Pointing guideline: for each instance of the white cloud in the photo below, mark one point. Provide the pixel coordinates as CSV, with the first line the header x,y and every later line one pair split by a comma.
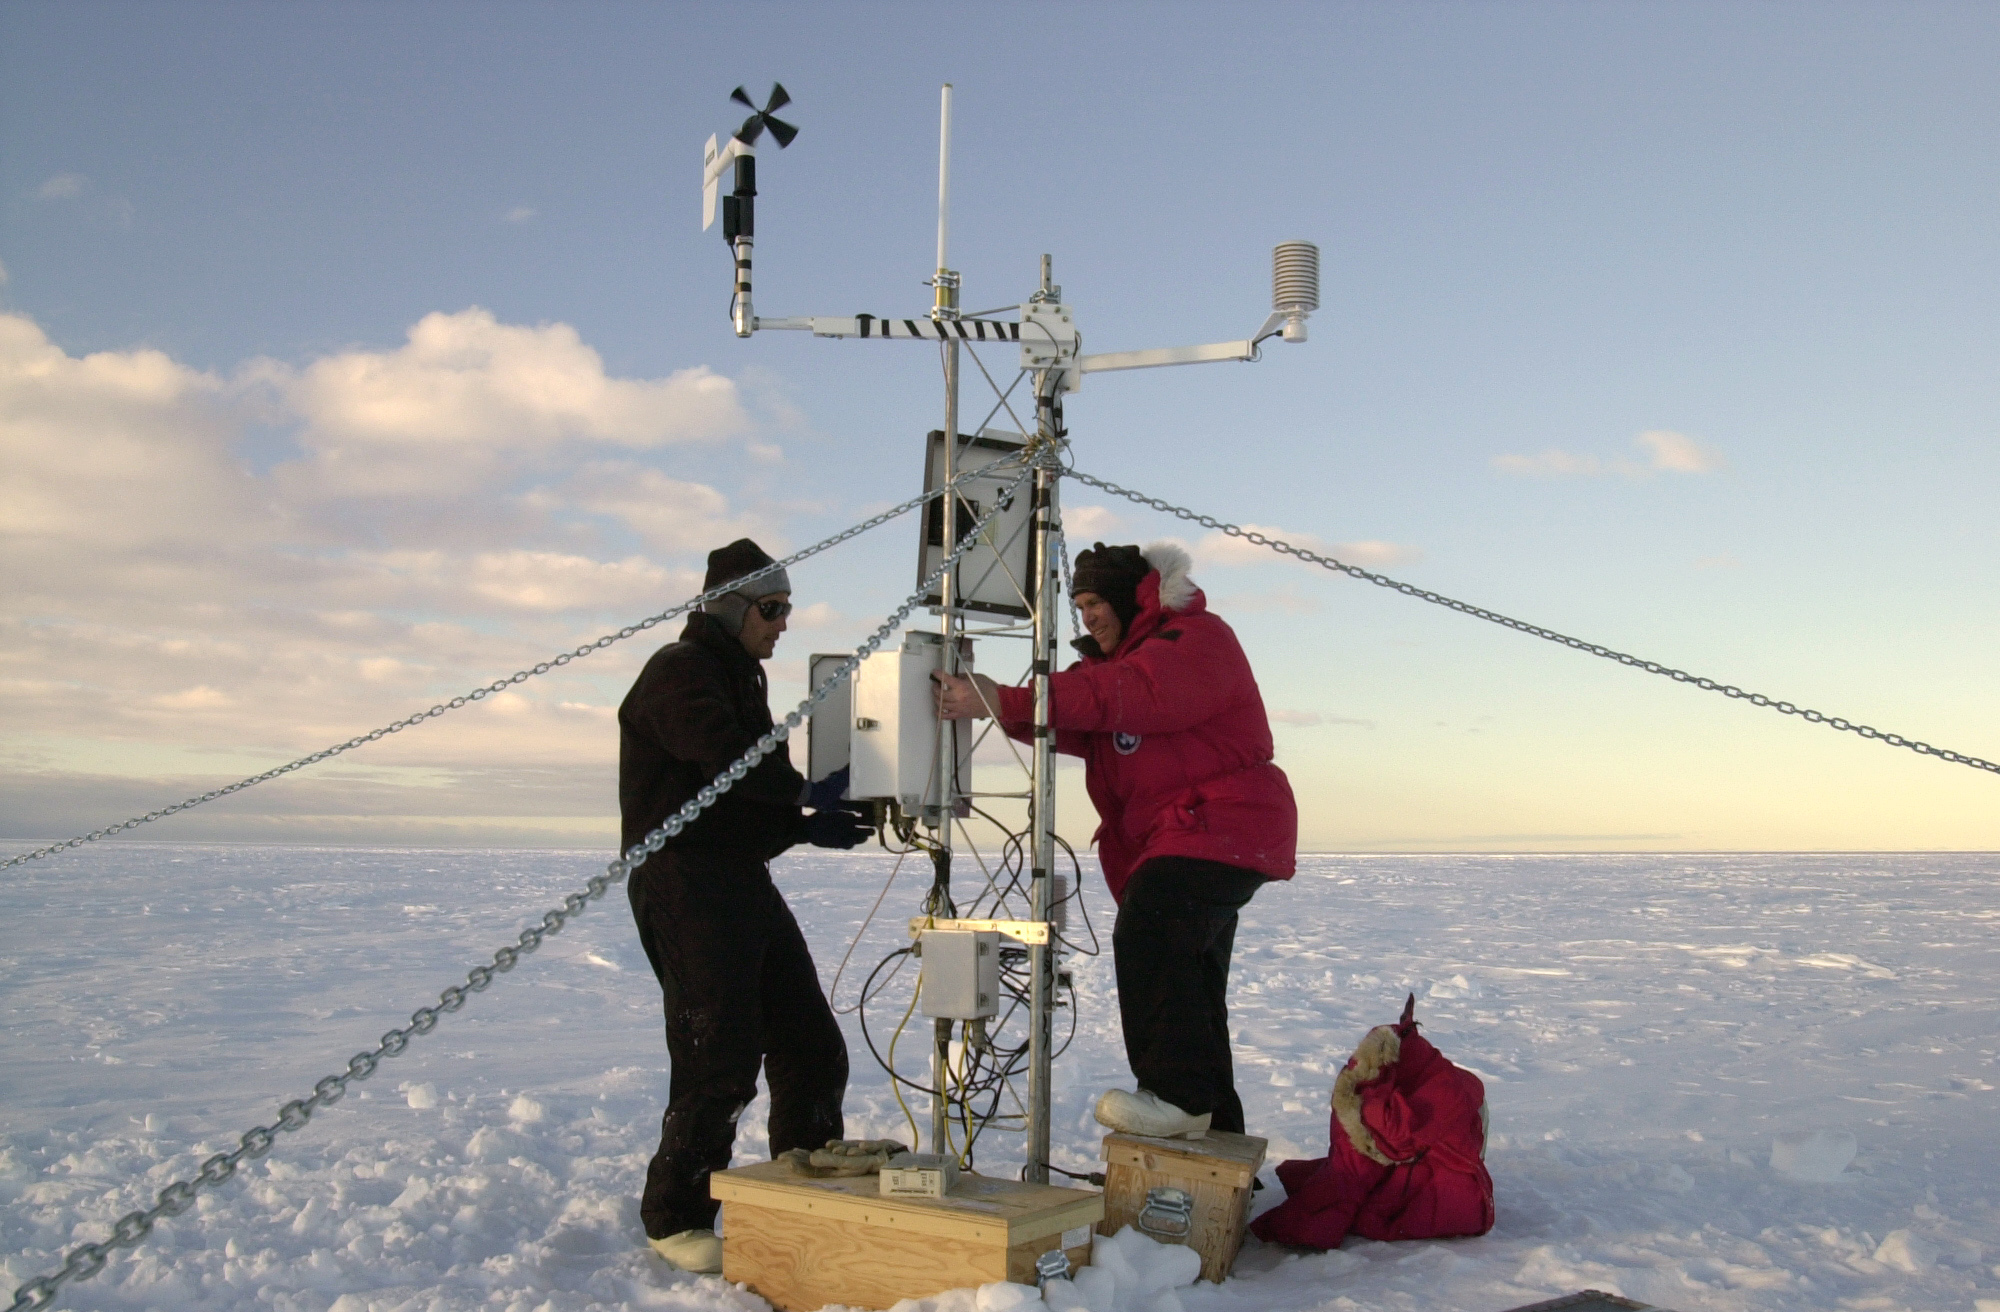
x,y
1223,549
1678,453
470,395
668,513
63,186
1665,451
170,610
520,214
1086,524
1313,719
1286,601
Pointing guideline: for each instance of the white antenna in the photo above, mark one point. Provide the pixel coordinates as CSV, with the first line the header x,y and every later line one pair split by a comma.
x,y
944,181
1051,352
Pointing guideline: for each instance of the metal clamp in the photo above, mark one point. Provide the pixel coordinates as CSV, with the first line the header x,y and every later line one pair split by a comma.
x,y
1052,1265
1168,1214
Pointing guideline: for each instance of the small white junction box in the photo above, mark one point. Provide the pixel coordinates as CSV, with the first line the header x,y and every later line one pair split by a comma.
x,y
919,1175
961,975
893,730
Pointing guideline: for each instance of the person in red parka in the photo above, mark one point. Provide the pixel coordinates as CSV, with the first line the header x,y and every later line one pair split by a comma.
x,y
1194,816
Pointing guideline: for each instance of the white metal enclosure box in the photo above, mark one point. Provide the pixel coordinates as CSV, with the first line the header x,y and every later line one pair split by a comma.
x,y
961,973
887,729
832,720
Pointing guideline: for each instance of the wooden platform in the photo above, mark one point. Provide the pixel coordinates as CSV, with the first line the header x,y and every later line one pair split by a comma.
x,y
805,1243
1218,1170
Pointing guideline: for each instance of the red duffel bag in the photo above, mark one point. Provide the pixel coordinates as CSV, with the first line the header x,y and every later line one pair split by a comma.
x,y
1408,1137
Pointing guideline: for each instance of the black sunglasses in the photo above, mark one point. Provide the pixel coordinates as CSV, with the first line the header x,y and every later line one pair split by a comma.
x,y
772,609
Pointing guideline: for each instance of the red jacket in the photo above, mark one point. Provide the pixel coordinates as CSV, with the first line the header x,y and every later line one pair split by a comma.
x,y
1172,730
1408,1136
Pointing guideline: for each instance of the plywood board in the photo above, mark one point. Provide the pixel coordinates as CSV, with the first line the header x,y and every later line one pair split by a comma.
x,y
981,1208
1218,1156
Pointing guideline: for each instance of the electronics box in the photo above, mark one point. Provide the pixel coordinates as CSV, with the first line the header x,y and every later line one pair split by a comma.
x,y
831,725
919,1175
961,973
893,725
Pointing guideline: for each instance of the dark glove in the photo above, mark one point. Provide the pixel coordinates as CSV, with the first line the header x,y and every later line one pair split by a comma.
x,y
827,791
837,827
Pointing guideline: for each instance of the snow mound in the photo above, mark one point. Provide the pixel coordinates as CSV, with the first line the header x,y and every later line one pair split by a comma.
x,y
1128,1273
1907,1253
1816,1155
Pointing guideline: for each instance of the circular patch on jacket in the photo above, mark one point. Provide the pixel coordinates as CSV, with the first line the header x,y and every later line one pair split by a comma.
x,y
1126,743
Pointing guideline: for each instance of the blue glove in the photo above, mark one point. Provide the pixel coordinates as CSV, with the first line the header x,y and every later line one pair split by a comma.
x,y
827,791
837,827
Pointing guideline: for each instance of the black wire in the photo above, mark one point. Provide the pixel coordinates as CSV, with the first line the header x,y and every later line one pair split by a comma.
x,y
861,1009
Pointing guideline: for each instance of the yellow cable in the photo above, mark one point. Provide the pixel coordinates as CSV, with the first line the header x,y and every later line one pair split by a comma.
x,y
896,1085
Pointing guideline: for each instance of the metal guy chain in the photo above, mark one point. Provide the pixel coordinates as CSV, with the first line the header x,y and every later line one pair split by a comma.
x,y
498,685
86,1260
1069,587
1535,630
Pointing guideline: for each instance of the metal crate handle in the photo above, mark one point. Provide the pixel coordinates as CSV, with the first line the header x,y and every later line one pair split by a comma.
x,y
1168,1214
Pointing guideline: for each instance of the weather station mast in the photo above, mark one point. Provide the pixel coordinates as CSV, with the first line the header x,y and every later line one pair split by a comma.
x,y
912,765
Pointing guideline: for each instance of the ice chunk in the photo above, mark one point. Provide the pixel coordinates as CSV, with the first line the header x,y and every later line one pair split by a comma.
x,y
422,1097
1063,1296
1005,1296
1144,1267
1096,1285
1906,1252
525,1110
1108,1256
1816,1155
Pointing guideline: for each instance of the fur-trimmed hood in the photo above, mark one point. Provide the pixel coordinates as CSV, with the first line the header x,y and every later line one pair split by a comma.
x,y
1377,1053
1172,561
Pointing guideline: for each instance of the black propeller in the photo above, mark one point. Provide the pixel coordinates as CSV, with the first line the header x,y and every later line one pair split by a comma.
x,y
753,127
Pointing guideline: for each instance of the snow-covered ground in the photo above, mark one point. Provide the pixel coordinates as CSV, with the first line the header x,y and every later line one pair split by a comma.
x,y
1647,1027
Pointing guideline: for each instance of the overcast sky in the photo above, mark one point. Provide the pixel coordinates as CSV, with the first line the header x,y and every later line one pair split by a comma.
x,y
355,354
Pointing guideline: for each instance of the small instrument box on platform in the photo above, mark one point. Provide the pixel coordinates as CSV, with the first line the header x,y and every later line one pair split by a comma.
x,y
802,1243
919,1175
1184,1191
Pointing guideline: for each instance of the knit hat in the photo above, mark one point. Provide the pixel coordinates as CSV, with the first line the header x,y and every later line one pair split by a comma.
x,y
732,562
1113,573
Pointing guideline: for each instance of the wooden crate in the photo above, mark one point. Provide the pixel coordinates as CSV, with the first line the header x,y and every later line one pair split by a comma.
x,y
803,1243
1217,1170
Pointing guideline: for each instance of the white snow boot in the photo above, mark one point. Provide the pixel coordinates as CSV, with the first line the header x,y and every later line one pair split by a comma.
x,y
1148,1114
698,1251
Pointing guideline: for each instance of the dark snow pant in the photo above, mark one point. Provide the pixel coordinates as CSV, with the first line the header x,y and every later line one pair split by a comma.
x,y
1175,930
741,991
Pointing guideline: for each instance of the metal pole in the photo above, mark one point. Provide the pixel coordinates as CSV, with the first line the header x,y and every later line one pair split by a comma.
x,y
945,790
1042,808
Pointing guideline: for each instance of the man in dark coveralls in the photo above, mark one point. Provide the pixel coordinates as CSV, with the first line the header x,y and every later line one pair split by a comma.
x,y
741,988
